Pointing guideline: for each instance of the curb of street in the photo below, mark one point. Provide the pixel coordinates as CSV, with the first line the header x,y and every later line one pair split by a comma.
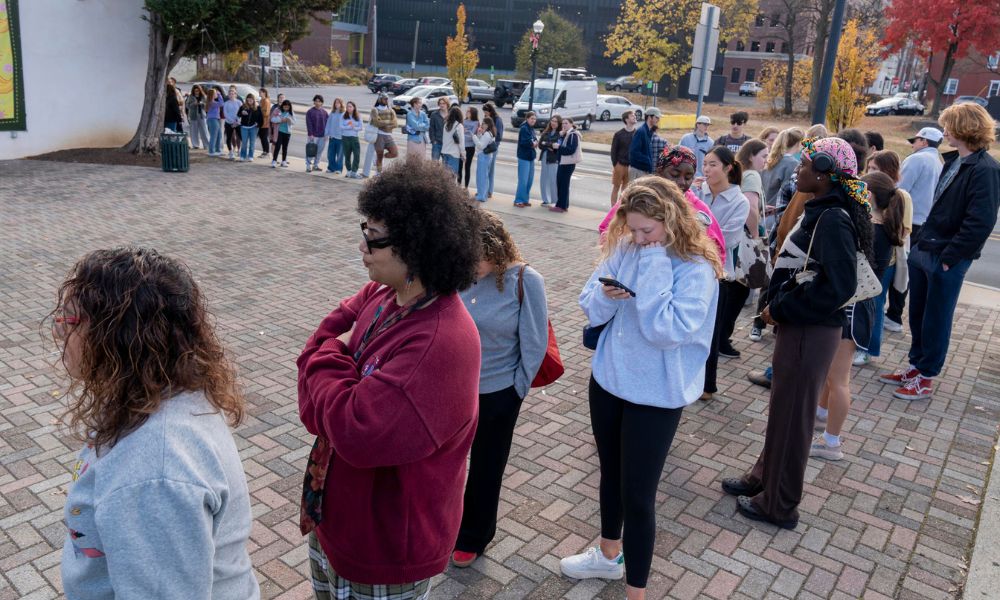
x,y
983,579
979,295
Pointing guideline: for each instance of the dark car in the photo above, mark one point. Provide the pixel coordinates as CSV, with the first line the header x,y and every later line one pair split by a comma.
x,y
382,82
508,91
626,83
402,86
895,106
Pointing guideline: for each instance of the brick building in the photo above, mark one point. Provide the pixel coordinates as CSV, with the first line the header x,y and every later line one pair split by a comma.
x,y
974,75
767,40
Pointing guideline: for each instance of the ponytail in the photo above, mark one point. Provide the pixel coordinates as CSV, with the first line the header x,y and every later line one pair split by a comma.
x,y
890,202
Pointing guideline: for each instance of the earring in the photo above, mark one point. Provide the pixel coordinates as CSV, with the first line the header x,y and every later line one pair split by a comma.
x,y
818,177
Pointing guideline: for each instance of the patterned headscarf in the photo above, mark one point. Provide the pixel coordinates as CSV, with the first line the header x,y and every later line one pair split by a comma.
x,y
675,156
845,166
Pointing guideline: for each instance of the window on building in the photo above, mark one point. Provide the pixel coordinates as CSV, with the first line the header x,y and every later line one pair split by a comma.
x,y
784,47
759,22
754,46
769,47
951,88
735,77
776,20
740,46
994,88
751,74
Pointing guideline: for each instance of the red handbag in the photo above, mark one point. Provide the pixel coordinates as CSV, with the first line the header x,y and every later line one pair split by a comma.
x,y
552,365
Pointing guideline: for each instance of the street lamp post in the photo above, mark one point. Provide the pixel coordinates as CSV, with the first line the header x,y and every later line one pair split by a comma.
x,y
536,33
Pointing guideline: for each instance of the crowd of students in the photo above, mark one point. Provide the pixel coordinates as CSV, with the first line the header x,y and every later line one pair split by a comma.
x,y
427,365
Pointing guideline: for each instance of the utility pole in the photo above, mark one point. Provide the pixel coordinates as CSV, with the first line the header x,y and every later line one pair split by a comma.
x,y
413,62
374,37
829,62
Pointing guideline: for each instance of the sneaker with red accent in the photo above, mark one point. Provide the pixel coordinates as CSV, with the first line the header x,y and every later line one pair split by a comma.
x,y
900,376
463,559
918,388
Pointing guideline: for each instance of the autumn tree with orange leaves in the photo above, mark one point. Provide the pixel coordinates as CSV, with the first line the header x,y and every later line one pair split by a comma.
x,y
460,60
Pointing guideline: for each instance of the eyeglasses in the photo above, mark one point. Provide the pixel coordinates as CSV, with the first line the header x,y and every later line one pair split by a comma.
x,y
62,323
375,244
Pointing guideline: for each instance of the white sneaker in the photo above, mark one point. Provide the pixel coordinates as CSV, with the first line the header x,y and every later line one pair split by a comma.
x,y
819,449
755,334
890,325
232,156
592,564
284,163
274,164
860,358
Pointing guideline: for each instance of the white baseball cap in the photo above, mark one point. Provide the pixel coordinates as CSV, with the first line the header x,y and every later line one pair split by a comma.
x,y
704,119
931,134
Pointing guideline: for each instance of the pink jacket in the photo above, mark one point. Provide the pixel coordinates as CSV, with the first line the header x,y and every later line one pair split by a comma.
x,y
714,231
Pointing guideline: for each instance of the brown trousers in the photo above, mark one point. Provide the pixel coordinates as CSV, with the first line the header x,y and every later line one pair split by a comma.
x,y
619,179
802,357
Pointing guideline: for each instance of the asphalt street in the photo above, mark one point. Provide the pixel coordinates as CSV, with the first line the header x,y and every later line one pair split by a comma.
x,y
591,184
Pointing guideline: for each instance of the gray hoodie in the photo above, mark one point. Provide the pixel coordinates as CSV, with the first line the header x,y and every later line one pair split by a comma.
x,y
164,513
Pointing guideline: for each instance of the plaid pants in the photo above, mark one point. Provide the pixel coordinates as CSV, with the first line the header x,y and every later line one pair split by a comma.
x,y
327,585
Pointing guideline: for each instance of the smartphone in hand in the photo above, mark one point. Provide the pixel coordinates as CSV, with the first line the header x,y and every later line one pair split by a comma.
x,y
616,283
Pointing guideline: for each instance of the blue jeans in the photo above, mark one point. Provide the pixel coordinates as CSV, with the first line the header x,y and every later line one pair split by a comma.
x,y
452,162
249,135
335,156
435,152
483,162
875,343
933,297
215,136
525,177
493,170
172,126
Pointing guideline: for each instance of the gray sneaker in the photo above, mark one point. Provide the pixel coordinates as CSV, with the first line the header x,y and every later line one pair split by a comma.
x,y
819,449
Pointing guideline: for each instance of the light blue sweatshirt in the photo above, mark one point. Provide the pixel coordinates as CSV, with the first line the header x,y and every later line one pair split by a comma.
x,y
164,513
333,125
419,123
654,349
229,111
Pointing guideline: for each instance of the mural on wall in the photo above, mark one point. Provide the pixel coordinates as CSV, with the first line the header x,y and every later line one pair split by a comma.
x,y
11,80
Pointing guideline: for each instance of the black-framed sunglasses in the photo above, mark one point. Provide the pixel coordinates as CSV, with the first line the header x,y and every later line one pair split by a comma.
x,y
376,243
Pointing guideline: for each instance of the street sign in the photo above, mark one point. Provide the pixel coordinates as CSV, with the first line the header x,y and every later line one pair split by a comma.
x,y
698,58
277,60
706,46
264,51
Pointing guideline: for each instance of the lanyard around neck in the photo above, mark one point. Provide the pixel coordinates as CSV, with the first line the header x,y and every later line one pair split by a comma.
x,y
371,332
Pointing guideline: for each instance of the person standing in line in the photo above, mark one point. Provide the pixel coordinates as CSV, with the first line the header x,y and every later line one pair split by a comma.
x,y
768,135
389,386
283,124
549,157
470,124
182,123
275,112
417,124
507,303
230,112
569,150
250,120
620,144
171,111
334,133
752,157
384,119
721,192
782,161
435,128
875,141
265,129
640,151
648,364
699,141
316,118
961,219
919,177
195,105
736,136
526,145
811,318
214,117
351,126
452,140
484,139
491,111
158,504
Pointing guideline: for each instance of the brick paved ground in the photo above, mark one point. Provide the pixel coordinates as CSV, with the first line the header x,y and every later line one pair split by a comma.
x,y
275,251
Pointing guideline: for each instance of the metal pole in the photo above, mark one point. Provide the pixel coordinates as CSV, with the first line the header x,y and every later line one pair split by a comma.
x,y
374,36
413,63
829,62
704,57
555,84
534,64
263,81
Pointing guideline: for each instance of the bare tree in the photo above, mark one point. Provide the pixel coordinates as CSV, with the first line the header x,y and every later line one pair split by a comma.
x,y
792,21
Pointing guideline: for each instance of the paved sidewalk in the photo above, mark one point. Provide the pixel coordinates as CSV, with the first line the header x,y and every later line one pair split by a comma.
x,y
276,250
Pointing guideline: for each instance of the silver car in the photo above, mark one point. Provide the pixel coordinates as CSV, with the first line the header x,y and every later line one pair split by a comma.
x,y
479,90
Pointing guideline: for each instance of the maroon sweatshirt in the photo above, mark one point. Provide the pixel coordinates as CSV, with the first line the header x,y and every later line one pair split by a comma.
x,y
401,422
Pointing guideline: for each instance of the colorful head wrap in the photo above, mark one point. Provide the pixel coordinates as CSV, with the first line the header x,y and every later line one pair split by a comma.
x,y
673,156
845,170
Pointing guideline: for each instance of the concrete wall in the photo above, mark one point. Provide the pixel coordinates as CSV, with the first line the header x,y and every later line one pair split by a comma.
x,y
84,70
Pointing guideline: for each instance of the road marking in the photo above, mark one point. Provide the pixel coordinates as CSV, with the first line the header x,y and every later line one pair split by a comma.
x,y
983,286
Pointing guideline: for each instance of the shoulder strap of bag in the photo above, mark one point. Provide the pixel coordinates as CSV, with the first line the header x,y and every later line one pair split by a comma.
x,y
813,237
520,284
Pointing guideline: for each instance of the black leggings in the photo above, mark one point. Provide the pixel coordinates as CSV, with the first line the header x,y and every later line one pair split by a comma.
x,y
281,144
490,450
564,174
233,138
732,295
265,137
632,444
470,152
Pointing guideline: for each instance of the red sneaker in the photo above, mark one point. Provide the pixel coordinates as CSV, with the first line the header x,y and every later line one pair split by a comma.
x,y
900,376
918,388
463,559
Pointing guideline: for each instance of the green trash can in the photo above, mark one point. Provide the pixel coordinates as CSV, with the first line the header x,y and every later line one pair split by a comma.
x,y
174,152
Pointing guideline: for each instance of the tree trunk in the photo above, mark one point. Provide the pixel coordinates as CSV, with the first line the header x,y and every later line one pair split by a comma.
x,y
163,57
949,63
789,77
819,49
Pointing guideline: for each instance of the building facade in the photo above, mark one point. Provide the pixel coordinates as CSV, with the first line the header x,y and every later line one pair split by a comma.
x,y
974,75
767,40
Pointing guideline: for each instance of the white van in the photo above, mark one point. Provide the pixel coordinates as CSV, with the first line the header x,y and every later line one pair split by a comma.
x,y
568,93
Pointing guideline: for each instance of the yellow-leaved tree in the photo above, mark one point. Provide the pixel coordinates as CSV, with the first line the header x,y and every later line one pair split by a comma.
x,y
657,36
772,82
461,61
858,58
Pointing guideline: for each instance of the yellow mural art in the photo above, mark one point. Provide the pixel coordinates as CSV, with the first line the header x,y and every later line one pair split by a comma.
x,y
11,81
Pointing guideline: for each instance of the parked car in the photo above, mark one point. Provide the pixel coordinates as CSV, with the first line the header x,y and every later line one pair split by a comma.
x,y
971,99
435,81
429,93
612,107
572,93
222,89
895,106
625,82
381,82
479,90
402,86
507,91
749,88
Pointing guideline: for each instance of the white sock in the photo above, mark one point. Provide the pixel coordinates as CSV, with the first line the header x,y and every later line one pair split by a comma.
x,y
821,412
832,441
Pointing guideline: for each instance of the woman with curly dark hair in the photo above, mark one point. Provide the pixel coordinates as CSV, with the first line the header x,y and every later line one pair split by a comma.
x,y
507,302
389,384
159,505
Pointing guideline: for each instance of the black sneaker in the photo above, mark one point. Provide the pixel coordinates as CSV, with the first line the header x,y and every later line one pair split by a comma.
x,y
726,350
